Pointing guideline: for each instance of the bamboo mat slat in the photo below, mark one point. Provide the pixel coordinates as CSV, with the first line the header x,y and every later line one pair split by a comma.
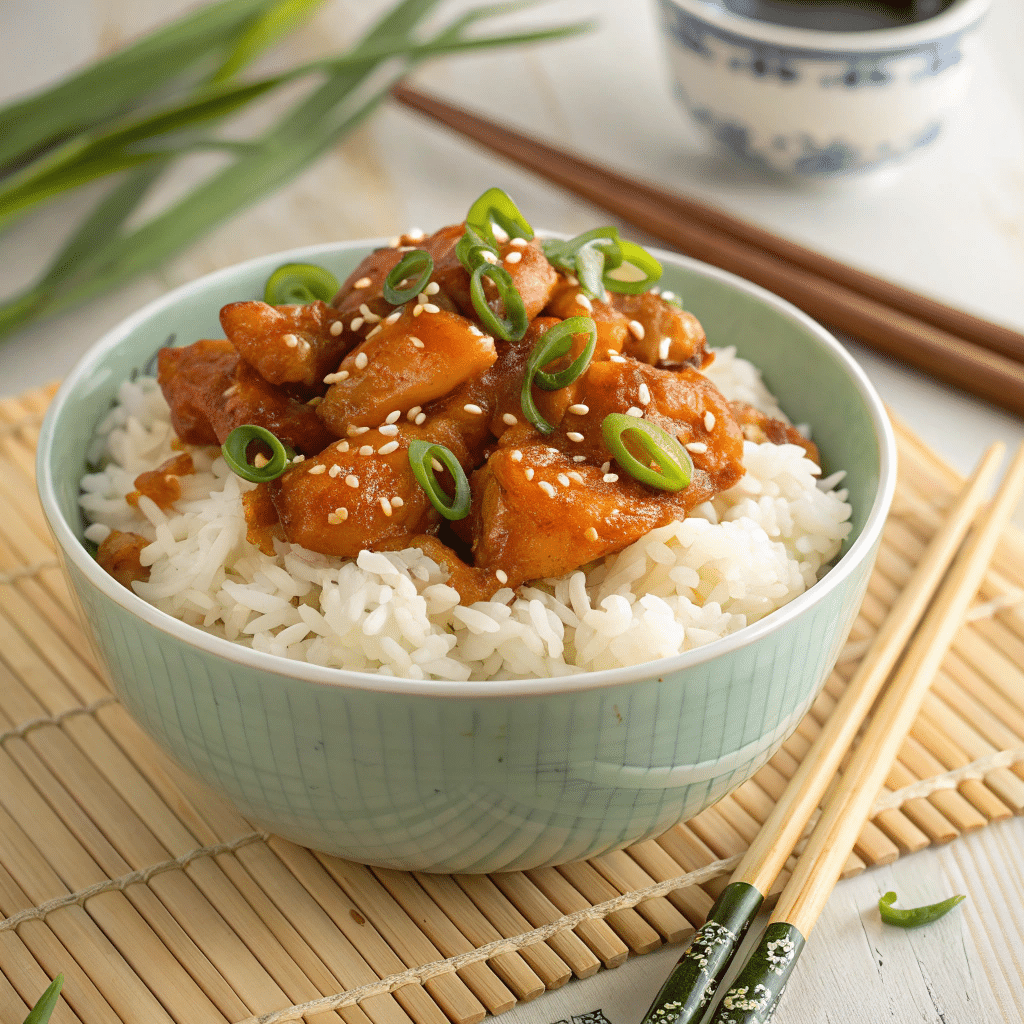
x,y
159,903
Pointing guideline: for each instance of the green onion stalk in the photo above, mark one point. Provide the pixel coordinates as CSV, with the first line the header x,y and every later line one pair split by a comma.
x,y
103,253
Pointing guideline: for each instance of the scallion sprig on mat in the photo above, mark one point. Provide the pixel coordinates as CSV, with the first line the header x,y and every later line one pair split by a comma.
x,y
41,1012
108,137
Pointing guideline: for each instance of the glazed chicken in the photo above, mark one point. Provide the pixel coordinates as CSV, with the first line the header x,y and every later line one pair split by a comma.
x,y
352,384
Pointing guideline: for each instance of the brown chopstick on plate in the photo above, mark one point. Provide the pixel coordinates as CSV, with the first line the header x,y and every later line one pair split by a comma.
x,y
972,354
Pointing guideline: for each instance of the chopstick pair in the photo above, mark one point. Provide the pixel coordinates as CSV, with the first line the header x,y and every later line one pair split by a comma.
x,y
972,354
752,996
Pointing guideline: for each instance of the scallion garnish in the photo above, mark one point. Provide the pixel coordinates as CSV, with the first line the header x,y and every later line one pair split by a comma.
x,y
298,284
497,207
635,256
675,468
421,459
914,917
596,255
513,326
554,344
236,454
418,262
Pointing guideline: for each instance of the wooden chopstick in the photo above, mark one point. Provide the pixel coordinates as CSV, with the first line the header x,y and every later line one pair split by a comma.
x,y
818,868
689,985
974,355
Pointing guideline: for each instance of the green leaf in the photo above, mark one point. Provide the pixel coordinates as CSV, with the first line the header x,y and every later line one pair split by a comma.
x,y
40,1013
109,86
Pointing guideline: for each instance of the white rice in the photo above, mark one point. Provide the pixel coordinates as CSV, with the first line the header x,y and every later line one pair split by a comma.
x,y
730,562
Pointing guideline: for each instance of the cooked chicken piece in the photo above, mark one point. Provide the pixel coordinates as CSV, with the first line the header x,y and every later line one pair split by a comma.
x,y
759,427
471,583
612,327
262,523
667,335
536,513
119,556
288,344
352,496
211,390
162,484
408,363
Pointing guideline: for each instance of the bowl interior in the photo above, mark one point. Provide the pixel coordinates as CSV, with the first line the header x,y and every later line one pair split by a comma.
x,y
814,381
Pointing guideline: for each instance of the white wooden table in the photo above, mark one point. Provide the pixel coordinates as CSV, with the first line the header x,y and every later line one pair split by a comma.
x,y
952,225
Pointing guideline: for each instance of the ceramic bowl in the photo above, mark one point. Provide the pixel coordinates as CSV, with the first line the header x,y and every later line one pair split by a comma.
x,y
812,103
478,776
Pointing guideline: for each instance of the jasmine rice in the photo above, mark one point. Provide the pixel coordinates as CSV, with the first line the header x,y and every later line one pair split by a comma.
x,y
732,561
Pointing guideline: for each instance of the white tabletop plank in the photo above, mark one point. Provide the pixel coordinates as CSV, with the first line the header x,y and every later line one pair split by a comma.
x,y
951,225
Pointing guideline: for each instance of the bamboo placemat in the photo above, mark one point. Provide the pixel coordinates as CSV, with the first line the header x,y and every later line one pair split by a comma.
x,y
159,903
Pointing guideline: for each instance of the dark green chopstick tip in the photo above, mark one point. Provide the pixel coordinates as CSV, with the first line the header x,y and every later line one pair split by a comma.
x,y
914,917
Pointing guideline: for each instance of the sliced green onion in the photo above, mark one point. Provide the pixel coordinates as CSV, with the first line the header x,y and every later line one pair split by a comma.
x,y
515,322
635,255
419,260
298,284
421,457
554,344
497,207
914,917
236,453
470,249
675,468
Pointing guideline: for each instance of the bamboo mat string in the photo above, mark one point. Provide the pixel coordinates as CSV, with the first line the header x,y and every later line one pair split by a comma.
x,y
23,423
28,570
1003,603
22,730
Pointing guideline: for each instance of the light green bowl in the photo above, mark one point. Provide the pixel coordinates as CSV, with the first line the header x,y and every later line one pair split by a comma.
x,y
478,776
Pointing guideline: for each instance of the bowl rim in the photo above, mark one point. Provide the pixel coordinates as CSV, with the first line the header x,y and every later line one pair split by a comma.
x,y
75,552
960,16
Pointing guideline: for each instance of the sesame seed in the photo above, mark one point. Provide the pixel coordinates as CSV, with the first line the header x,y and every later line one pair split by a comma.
x,y
385,506
413,412
500,233
393,318
429,307
574,435
582,300
591,533
709,420
513,257
473,329
367,449
356,431
579,458
416,343
529,474
333,378
352,480
638,329
317,469
663,346
397,501
516,456
605,467
363,282
617,359
339,515
423,298
607,297
259,462
634,411
501,576
668,296
697,447
417,309
341,446
394,416
610,478
376,330
332,519
437,465
337,327
475,410
579,409
547,488
387,429
230,391
420,419
519,243
572,279
291,341
432,289
298,458
356,323
361,360
387,449
563,479
644,394
489,256
573,475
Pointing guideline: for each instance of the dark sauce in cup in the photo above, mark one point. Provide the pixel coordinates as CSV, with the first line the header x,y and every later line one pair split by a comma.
x,y
837,15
